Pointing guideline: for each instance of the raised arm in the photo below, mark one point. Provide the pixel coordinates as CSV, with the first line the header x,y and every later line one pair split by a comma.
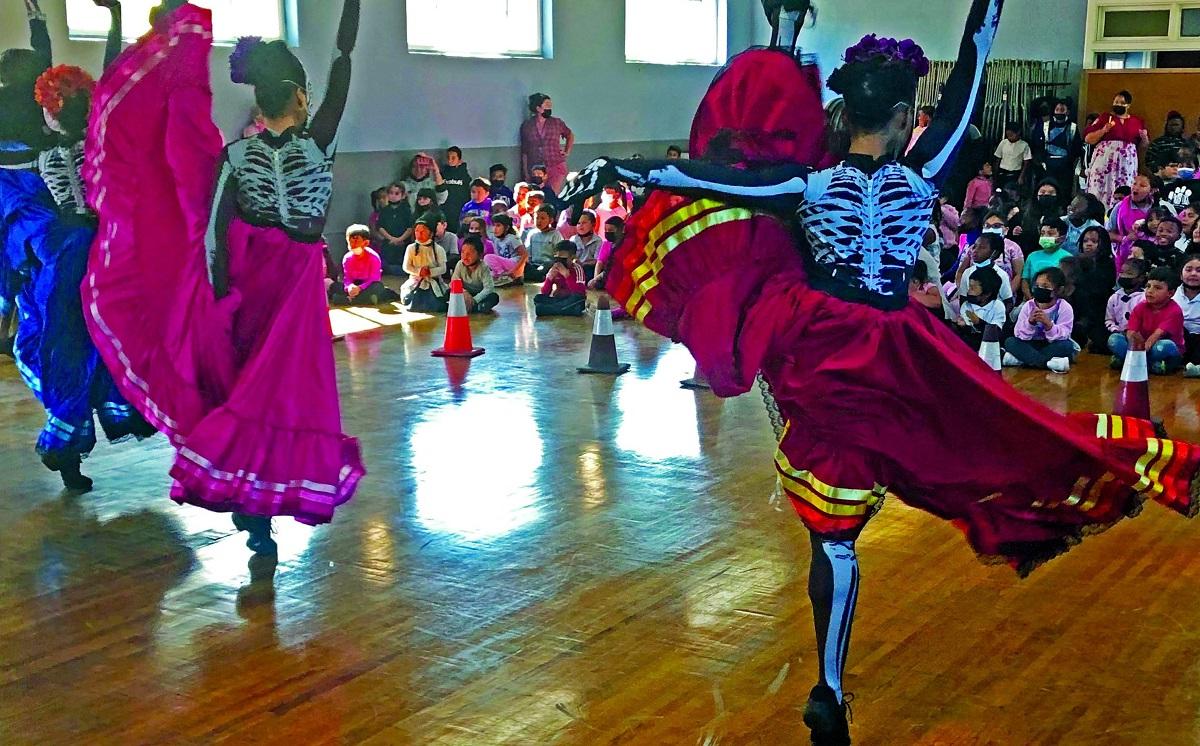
x,y
112,46
933,155
39,35
779,189
327,119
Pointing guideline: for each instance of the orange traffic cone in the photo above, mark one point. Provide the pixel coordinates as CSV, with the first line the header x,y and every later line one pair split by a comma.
x,y
603,357
698,382
989,351
458,327
1133,393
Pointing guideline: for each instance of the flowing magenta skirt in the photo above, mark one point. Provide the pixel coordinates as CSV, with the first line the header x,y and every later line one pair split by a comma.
x,y
884,403
244,386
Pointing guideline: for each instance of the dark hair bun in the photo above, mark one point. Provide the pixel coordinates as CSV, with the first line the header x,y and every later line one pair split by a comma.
x,y
872,89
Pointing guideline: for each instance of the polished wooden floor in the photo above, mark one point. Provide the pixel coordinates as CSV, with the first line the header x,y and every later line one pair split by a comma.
x,y
539,557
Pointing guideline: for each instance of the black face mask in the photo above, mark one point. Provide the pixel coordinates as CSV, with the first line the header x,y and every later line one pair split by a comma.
x,y
611,238
1047,200
1127,283
1043,295
497,182
1060,118
547,113
1087,263
975,300
1120,110
562,260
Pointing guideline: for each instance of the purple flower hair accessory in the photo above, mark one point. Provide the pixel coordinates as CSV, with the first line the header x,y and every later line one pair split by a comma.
x,y
239,60
889,51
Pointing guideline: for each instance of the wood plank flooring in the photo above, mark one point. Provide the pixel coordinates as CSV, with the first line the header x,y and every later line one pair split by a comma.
x,y
538,557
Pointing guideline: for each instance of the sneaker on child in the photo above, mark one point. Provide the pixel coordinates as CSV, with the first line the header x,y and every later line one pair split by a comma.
x,y
1059,364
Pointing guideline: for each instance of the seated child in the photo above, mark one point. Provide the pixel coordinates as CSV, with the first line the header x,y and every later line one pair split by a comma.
x,y
394,228
1050,252
477,227
478,289
587,242
507,262
498,174
445,238
480,205
986,255
614,233
564,293
1188,298
924,291
362,270
981,307
425,264
533,201
540,243
378,202
1157,324
1043,331
1129,294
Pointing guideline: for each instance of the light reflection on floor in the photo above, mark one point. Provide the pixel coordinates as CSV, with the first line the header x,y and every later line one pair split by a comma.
x,y
658,418
490,440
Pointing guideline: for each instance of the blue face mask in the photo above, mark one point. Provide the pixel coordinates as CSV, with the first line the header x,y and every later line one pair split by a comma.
x,y
1187,174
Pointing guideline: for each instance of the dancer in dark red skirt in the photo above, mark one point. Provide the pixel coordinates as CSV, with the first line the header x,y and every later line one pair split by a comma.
x,y
763,260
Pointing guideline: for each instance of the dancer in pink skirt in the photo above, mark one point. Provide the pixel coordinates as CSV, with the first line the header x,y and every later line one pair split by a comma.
x,y
206,301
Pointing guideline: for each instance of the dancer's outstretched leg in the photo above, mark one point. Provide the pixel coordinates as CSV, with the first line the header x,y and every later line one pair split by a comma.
x,y
833,590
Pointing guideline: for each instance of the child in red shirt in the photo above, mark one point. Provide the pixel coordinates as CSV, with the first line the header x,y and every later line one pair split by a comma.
x,y
564,293
1157,323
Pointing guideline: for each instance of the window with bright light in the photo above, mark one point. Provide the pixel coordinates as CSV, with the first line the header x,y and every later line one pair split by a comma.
x,y
479,28
231,18
676,32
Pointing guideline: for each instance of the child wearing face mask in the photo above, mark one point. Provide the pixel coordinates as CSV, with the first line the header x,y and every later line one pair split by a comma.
x,y
1187,296
984,259
564,293
981,307
394,225
1129,294
508,257
1011,261
498,174
479,290
1157,324
426,201
614,232
1042,337
612,203
1048,255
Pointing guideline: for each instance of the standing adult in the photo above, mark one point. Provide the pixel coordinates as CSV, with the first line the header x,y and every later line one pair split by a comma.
x,y
1116,135
1165,149
1057,149
546,141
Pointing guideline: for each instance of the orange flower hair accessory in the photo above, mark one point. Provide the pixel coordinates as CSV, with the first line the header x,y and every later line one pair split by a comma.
x,y
60,83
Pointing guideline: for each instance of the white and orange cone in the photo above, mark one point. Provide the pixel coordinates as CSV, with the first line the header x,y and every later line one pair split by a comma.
x,y
458,327
1133,393
603,356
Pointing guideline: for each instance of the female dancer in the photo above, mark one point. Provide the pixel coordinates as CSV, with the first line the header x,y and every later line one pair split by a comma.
x,y
852,363
50,232
230,357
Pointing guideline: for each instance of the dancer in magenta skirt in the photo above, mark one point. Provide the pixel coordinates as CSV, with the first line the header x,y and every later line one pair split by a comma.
x,y
207,301
763,262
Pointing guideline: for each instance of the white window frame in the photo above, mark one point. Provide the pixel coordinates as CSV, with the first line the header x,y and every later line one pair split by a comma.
x,y
546,44
721,30
136,23
1095,41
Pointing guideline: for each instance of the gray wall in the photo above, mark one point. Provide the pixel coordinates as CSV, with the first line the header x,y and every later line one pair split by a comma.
x,y
401,102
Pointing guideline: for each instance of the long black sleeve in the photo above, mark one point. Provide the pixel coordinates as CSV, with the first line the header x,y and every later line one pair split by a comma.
x,y
39,39
112,46
933,155
216,240
325,122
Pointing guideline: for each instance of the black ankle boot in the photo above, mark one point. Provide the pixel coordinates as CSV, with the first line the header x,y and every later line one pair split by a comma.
x,y
259,528
68,470
825,716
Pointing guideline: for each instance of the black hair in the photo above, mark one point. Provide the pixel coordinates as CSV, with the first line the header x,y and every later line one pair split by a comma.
x,y
1165,275
536,100
590,215
921,272
1054,275
539,167
481,183
505,220
1055,223
994,214
927,110
989,283
454,149
1139,265
615,221
1175,220
475,242
498,167
358,231
1105,240
276,75
20,68
1122,191
1126,95
1050,182
994,243
568,246
547,209
674,149
397,184
872,89
1094,209
1012,127
376,194
73,117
